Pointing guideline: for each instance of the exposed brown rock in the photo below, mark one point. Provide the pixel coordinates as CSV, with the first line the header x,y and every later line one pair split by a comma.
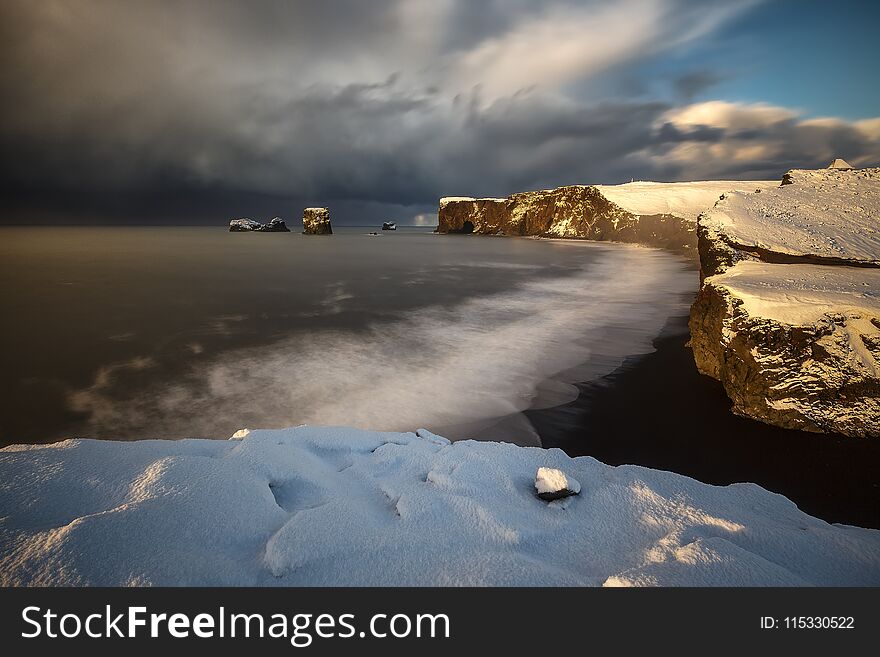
x,y
316,221
576,211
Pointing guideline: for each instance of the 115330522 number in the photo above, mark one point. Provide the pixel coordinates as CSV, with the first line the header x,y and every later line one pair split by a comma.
x,y
818,623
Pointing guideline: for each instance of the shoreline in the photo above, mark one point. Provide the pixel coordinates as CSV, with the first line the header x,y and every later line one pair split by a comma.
x,y
656,410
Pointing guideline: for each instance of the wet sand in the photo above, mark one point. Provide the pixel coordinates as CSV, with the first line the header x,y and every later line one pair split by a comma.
x,y
657,411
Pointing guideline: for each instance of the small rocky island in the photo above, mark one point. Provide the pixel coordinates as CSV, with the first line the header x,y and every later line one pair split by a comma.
x,y
275,225
316,221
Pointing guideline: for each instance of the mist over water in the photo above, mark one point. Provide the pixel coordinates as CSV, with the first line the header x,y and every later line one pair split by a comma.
x,y
197,332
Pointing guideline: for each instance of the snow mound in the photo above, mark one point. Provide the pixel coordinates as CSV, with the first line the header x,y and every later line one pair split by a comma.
x,y
335,506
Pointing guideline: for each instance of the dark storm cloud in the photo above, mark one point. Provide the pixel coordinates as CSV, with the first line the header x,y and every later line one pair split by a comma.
x,y
693,83
192,111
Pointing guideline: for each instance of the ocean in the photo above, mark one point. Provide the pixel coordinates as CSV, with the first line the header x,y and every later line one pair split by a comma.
x,y
131,333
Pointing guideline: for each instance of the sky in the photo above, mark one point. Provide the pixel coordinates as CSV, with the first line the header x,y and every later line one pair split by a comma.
x,y
159,112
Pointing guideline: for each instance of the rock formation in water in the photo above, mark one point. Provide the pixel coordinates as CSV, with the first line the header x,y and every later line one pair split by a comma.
x,y
243,225
316,221
654,214
788,315
276,225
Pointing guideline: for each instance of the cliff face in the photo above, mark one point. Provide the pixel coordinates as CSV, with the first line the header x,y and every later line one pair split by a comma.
x,y
788,315
581,212
654,214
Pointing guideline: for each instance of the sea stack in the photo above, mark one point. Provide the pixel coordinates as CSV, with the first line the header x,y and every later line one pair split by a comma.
x,y
316,221
276,225
244,225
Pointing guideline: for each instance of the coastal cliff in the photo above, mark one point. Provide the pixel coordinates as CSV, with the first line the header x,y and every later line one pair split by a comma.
x,y
653,214
788,314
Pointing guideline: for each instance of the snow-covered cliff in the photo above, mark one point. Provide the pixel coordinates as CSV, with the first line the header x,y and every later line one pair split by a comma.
x,y
333,506
788,316
795,343
655,214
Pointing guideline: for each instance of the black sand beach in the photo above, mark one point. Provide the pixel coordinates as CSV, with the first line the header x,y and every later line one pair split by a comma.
x,y
657,411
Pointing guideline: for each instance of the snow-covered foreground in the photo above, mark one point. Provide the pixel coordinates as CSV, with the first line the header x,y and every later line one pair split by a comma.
x,y
333,506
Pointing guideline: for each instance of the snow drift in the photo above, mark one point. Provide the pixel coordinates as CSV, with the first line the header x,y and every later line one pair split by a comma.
x,y
334,506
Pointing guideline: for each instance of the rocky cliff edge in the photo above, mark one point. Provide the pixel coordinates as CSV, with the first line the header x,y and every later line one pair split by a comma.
x,y
788,314
653,214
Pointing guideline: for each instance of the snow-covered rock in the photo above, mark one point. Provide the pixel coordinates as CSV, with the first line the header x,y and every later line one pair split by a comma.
x,y
656,214
334,506
244,225
788,317
553,484
797,346
276,225
316,221
838,163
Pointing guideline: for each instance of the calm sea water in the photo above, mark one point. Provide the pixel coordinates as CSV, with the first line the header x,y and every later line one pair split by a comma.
x,y
130,333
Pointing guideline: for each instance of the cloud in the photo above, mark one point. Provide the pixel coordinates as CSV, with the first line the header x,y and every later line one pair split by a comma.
x,y
203,110
693,83
757,140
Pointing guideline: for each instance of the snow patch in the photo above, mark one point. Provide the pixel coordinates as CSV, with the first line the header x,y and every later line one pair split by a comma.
x,y
682,199
825,213
800,294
